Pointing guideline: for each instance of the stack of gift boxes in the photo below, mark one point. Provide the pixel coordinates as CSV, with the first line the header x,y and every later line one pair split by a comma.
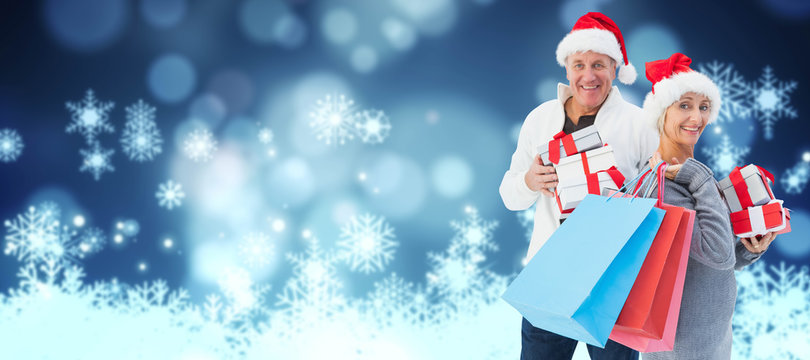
x,y
754,209
584,165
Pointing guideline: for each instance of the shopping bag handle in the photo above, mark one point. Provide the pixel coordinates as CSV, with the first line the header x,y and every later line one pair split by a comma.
x,y
661,171
631,184
649,182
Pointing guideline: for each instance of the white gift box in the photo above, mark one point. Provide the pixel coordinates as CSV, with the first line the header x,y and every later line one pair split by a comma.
x,y
575,190
573,167
757,188
584,139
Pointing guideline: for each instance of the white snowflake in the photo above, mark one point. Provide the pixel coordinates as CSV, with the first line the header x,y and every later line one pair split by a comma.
x,y
367,243
35,236
30,235
390,301
373,126
170,195
770,100
238,287
91,241
96,160
256,249
423,310
89,116
200,145
50,209
457,274
313,294
473,235
724,157
333,120
141,139
771,317
265,135
733,90
11,145
795,179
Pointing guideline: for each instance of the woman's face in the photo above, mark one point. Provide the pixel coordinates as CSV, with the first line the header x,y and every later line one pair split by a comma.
x,y
687,118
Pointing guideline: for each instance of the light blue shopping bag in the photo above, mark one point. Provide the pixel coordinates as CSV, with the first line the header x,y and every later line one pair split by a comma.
x,y
578,281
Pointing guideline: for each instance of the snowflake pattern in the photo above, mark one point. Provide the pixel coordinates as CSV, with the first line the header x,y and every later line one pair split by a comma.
x,y
334,119
91,241
390,301
733,89
770,101
771,317
457,274
367,243
313,294
96,160
373,126
256,249
795,179
725,156
11,145
170,195
36,237
89,117
237,286
50,210
31,235
141,139
200,145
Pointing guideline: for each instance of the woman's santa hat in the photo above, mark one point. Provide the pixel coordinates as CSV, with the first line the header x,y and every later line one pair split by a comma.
x,y
671,79
598,33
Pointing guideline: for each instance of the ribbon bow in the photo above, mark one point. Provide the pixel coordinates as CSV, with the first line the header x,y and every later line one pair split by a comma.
x,y
593,179
554,146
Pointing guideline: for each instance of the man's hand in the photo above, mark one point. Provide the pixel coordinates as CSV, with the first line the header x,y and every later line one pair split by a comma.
x,y
541,178
758,246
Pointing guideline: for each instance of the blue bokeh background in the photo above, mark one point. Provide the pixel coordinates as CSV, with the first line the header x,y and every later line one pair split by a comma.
x,y
455,77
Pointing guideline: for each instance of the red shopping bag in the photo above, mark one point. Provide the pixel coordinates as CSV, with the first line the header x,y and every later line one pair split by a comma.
x,y
650,315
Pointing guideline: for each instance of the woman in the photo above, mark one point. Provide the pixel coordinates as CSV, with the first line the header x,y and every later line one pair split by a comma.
x,y
683,102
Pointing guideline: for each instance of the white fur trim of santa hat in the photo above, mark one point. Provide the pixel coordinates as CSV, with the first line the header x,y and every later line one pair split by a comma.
x,y
670,90
599,41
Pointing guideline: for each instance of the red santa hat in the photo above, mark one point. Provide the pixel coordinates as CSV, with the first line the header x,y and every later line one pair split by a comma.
x,y
598,33
671,79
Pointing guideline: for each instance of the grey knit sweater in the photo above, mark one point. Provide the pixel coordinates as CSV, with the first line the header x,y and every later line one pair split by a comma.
x,y
710,289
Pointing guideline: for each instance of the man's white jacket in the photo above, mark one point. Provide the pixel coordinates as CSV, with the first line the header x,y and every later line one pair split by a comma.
x,y
620,124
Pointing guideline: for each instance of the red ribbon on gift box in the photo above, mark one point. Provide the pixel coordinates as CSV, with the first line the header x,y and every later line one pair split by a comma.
x,y
741,188
787,223
593,179
554,146
559,204
771,213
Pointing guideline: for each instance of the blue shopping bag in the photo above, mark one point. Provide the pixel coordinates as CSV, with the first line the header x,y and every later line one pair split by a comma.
x,y
578,281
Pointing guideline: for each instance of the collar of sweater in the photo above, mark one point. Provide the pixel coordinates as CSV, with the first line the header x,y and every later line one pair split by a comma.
x,y
613,100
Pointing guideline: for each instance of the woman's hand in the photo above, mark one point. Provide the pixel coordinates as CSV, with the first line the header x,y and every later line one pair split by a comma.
x,y
758,246
672,167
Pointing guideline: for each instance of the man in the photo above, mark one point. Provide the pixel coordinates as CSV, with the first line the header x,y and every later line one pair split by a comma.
x,y
590,55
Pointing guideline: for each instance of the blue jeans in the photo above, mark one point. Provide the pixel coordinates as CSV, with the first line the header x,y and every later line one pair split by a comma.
x,y
541,344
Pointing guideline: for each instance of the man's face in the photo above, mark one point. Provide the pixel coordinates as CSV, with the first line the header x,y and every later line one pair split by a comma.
x,y
590,76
